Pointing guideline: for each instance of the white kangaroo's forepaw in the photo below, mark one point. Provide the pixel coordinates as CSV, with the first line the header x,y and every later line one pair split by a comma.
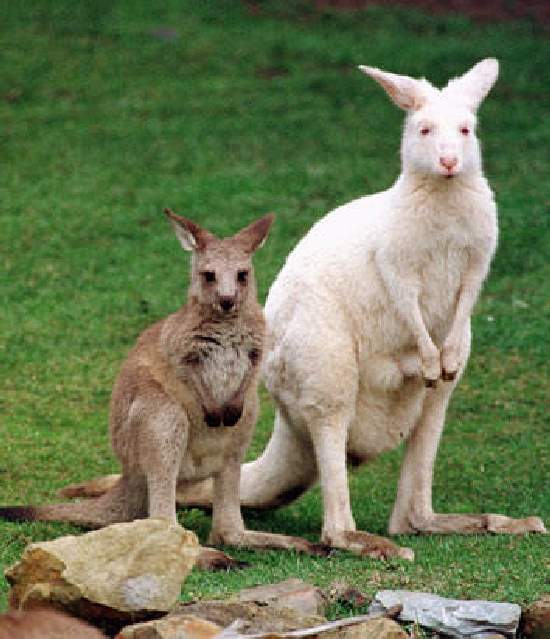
x,y
431,370
450,363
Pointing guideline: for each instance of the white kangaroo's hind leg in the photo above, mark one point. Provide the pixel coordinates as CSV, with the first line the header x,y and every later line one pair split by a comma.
x,y
412,512
339,530
227,522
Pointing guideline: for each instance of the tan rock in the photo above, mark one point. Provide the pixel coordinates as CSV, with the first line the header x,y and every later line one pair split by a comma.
x,y
122,573
172,627
361,627
255,618
295,594
372,629
536,619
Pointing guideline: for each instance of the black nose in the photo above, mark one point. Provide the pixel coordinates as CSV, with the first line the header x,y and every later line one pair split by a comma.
x,y
227,303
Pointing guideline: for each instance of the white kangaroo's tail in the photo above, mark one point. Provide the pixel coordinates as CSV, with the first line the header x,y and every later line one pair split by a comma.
x,y
284,471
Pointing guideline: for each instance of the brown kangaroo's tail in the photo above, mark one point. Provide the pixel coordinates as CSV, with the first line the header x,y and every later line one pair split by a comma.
x,y
93,488
125,501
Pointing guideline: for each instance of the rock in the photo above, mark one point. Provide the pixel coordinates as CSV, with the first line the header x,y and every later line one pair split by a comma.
x,y
255,618
382,628
172,627
452,617
250,619
362,627
45,624
295,594
114,576
536,619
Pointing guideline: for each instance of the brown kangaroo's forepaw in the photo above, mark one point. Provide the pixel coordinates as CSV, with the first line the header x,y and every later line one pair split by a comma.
x,y
231,414
213,418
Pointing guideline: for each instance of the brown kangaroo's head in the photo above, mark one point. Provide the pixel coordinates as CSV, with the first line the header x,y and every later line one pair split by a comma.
x,y
222,276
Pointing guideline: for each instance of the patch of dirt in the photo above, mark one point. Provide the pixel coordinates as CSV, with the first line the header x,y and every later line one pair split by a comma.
x,y
534,10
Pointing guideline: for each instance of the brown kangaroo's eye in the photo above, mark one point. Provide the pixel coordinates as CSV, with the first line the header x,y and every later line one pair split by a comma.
x,y
209,276
242,276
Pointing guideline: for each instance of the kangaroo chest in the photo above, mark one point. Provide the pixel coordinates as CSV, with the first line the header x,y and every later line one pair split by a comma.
x,y
223,358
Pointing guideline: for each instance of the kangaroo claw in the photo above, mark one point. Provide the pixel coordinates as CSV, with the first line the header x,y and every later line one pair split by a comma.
x,y
448,376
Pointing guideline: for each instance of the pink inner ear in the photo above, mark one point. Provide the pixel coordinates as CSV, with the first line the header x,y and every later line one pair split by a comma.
x,y
254,234
407,93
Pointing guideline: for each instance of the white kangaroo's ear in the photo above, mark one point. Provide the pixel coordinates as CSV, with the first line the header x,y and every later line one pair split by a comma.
x,y
471,88
408,93
191,236
254,235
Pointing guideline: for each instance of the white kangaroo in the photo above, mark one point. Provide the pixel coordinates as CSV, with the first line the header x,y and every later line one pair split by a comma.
x,y
371,310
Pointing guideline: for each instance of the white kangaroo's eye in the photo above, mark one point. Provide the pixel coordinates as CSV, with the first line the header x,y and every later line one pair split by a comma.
x,y
425,130
465,130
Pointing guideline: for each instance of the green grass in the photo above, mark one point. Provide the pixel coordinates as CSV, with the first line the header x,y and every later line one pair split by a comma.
x,y
103,124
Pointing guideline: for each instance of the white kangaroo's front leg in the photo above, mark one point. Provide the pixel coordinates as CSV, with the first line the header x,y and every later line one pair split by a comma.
x,y
469,290
413,510
403,288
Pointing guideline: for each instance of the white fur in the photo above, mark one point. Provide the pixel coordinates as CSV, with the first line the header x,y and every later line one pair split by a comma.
x,y
378,289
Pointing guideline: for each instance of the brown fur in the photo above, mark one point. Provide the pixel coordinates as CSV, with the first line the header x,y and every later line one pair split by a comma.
x,y
45,624
185,402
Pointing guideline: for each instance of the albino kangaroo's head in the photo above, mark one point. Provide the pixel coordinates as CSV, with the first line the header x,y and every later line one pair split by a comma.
x,y
222,276
439,137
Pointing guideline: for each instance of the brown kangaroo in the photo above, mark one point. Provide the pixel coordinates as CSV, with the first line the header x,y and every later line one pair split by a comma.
x,y
185,403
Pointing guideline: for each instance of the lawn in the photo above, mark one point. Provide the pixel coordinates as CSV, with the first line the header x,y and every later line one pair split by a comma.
x,y
110,111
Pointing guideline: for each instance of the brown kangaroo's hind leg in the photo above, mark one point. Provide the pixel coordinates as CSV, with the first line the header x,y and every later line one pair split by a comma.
x,y
125,501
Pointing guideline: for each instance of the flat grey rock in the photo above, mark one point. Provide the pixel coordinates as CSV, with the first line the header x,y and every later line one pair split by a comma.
x,y
453,617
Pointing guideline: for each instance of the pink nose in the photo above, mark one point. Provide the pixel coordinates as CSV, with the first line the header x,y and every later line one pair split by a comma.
x,y
448,162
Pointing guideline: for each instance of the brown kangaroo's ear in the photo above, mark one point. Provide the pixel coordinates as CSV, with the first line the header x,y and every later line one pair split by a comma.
x,y
254,235
191,236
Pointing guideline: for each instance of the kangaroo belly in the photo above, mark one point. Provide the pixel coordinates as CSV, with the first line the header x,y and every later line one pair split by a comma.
x,y
204,455
384,419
